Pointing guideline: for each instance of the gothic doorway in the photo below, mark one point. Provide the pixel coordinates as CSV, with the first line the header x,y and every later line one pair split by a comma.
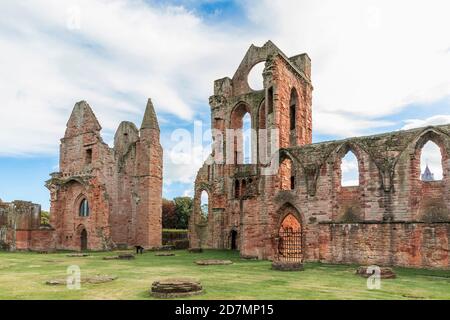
x,y
83,240
290,239
233,237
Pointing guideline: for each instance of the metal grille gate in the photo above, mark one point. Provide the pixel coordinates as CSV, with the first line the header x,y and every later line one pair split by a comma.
x,y
290,246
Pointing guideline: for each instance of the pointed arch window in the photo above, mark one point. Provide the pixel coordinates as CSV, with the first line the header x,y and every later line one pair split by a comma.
x,y
237,191
84,208
430,162
204,203
349,170
243,135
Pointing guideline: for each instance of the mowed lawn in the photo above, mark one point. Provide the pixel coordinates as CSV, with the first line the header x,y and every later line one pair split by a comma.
x,y
23,276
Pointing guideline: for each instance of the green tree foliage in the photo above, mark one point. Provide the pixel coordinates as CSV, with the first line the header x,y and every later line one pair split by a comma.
x,y
176,212
169,217
184,207
45,217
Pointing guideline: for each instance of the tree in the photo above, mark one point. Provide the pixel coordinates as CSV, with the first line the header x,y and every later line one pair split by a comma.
x,y
45,217
183,207
169,215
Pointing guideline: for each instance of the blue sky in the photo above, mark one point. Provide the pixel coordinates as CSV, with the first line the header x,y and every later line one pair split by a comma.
x,y
376,68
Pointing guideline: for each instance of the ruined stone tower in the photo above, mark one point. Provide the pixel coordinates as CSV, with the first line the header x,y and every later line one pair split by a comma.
x,y
105,197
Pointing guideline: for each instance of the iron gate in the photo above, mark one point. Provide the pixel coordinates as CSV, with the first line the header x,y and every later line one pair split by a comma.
x,y
290,246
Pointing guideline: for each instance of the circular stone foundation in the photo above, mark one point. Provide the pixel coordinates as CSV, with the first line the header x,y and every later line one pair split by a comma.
x,y
287,266
111,258
164,254
213,262
385,272
78,255
126,256
92,280
175,288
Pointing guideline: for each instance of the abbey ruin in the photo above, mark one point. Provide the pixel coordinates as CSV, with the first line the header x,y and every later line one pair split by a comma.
x,y
284,201
294,206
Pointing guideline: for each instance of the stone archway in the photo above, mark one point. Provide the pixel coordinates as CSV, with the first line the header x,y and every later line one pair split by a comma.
x,y
233,240
83,240
290,236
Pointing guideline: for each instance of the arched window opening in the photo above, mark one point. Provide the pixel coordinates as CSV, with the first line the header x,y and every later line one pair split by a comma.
x,y
204,203
287,176
241,123
237,191
84,208
83,240
293,109
233,236
430,162
290,239
247,138
270,100
243,187
349,170
88,159
255,77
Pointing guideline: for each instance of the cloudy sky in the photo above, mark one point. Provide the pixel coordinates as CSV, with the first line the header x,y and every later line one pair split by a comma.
x,y
377,66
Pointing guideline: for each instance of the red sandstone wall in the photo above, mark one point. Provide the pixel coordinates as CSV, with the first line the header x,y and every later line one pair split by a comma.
x,y
284,80
401,244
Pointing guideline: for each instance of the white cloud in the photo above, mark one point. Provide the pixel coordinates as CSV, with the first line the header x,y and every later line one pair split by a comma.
x,y
368,62
431,121
344,125
369,58
122,53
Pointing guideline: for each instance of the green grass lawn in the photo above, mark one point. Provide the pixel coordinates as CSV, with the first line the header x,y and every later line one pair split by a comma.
x,y
23,276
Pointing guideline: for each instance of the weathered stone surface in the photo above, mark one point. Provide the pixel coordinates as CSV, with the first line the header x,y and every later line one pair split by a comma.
x,y
385,272
126,256
84,280
391,218
164,254
123,185
78,255
21,228
195,250
162,248
175,288
287,266
213,262
111,258
247,257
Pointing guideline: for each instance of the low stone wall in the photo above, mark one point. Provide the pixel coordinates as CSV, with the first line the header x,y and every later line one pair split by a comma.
x,y
408,244
35,240
43,240
169,237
